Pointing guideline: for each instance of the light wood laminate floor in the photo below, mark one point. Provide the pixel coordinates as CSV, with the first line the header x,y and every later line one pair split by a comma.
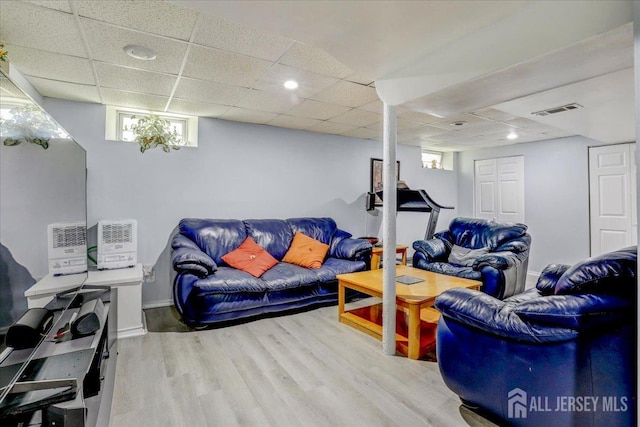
x,y
303,369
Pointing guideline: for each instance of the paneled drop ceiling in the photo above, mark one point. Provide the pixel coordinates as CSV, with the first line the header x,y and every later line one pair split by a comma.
x,y
212,67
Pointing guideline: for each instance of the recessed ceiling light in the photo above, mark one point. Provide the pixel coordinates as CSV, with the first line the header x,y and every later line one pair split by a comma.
x,y
512,135
291,84
458,123
139,52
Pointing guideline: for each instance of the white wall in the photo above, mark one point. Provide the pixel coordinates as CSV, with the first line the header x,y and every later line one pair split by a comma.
x,y
556,196
238,171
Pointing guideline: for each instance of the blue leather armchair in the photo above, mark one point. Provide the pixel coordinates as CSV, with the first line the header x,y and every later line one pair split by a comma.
x,y
562,354
494,252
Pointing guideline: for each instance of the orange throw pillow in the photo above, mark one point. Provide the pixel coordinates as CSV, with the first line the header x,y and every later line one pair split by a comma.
x,y
306,252
250,258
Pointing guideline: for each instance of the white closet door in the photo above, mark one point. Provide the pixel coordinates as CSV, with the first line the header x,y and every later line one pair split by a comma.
x,y
486,182
612,198
499,189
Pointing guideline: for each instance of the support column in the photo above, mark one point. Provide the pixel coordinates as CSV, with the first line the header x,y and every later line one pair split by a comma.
x,y
389,231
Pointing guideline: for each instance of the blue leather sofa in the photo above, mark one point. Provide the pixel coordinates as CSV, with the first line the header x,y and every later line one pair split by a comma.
x,y
562,354
501,254
207,291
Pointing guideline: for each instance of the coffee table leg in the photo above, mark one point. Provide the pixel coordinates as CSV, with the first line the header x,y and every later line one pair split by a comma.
x,y
341,292
414,331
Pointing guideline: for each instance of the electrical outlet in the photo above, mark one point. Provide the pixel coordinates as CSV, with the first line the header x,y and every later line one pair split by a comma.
x,y
149,275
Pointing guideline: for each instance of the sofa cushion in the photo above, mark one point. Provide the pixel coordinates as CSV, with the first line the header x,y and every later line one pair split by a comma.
x,y
250,257
215,237
465,256
613,273
229,280
306,251
452,270
274,235
334,266
321,229
285,275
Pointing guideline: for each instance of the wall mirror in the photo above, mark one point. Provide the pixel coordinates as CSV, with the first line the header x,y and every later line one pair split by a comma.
x,y
42,181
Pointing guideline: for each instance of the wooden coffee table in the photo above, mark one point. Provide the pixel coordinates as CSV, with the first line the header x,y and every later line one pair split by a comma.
x,y
416,319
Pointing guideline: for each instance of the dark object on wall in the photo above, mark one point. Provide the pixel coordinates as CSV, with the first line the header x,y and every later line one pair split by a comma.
x,y
28,330
88,320
375,185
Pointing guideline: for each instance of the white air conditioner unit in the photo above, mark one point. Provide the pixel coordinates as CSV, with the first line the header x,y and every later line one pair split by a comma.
x,y
117,244
67,248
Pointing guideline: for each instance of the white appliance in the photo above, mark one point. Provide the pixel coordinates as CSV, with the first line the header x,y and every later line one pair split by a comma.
x,y
67,248
117,243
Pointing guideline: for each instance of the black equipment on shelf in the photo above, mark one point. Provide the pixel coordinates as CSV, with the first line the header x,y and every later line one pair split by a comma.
x,y
415,201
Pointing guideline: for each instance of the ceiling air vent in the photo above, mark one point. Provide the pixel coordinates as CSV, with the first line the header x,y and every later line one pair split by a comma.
x,y
556,110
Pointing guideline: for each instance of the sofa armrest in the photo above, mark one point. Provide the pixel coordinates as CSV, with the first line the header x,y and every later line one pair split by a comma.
x,y
497,260
352,249
432,248
492,316
575,311
186,256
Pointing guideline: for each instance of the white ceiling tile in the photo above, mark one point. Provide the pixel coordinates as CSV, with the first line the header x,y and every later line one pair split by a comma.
x,y
224,67
470,121
292,122
375,106
329,127
53,66
317,110
348,94
308,83
417,116
106,42
134,100
357,78
316,60
420,132
61,5
63,90
265,101
31,26
117,77
364,133
210,92
245,115
493,114
357,117
151,16
193,108
220,33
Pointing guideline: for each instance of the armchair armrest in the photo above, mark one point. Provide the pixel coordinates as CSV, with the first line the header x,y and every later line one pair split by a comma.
x,y
497,260
186,256
490,315
546,283
352,249
432,248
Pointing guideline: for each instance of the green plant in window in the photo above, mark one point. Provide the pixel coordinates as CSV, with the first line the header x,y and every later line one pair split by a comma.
x,y
153,131
28,123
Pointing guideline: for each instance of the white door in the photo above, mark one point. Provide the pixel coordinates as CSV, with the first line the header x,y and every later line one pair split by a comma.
x,y
612,197
499,189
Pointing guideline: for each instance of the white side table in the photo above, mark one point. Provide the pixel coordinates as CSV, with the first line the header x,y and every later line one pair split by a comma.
x,y
127,281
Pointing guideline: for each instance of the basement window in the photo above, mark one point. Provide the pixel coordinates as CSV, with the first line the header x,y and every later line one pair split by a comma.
x,y
119,122
432,160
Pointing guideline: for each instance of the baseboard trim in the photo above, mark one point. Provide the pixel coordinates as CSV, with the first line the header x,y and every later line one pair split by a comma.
x,y
158,304
532,279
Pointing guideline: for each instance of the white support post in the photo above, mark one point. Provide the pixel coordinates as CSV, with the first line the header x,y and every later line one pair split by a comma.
x,y
389,231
